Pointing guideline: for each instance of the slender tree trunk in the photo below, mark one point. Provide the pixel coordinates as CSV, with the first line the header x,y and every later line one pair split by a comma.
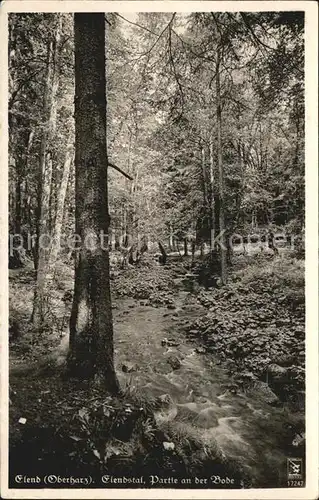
x,y
185,248
223,250
43,152
213,255
41,293
49,111
56,237
171,238
124,241
12,194
204,176
163,258
91,326
135,215
40,304
193,248
130,212
117,238
240,190
26,198
20,185
172,244
18,182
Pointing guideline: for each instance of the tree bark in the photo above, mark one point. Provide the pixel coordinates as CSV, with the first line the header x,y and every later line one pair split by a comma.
x,y
40,303
49,111
26,199
193,248
178,249
56,237
172,243
163,257
18,199
213,255
204,176
185,248
223,250
91,326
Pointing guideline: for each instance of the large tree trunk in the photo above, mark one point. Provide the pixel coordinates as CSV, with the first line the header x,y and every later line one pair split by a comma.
x,y
223,249
91,326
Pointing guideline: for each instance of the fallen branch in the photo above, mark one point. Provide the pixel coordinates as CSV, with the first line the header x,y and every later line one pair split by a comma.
x,y
120,170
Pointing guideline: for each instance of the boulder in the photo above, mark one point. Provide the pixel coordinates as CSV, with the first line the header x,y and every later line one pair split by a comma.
x,y
128,367
263,391
200,350
165,399
174,362
207,419
249,376
193,333
169,342
285,360
277,373
171,306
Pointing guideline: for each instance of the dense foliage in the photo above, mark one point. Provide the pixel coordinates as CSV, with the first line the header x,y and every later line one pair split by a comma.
x,y
161,82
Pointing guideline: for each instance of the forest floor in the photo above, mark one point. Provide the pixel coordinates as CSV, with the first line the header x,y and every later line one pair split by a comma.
x,y
212,379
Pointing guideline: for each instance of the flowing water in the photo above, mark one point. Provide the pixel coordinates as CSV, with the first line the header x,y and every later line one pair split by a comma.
x,y
199,391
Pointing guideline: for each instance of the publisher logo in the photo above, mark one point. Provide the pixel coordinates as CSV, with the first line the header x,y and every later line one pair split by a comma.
x,y
294,468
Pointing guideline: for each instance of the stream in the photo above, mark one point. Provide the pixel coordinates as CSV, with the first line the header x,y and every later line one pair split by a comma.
x,y
198,389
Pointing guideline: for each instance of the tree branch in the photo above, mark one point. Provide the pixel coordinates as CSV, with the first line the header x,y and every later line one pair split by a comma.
x,y
250,29
136,24
107,21
120,170
172,63
22,83
158,38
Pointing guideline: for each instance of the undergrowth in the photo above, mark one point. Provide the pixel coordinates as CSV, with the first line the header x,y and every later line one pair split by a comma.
x,y
76,429
256,324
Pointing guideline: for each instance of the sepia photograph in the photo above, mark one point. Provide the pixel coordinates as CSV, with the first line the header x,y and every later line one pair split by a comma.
x,y
156,237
